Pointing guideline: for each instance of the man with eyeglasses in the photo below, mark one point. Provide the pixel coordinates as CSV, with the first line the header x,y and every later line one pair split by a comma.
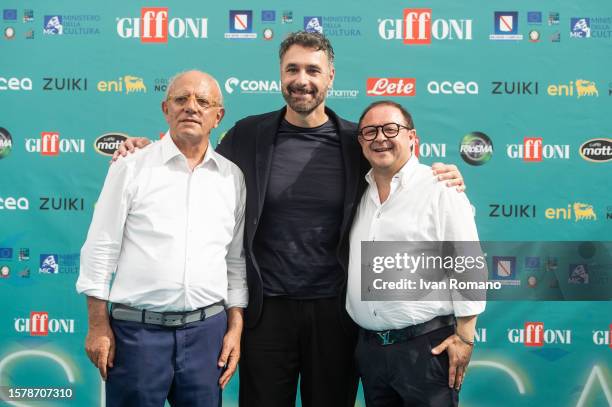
x,y
408,352
303,170
169,226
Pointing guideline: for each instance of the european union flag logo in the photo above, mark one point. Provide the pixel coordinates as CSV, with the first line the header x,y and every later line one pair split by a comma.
x,y
10,14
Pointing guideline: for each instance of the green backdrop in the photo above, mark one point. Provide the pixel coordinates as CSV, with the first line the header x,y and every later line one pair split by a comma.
x,y
548,78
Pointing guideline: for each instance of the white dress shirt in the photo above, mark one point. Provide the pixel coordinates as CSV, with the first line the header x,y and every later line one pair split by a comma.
x,y
419,208
172,237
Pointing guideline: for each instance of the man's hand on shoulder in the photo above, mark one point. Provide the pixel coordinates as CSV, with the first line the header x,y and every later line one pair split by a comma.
x,y
130,146
449,173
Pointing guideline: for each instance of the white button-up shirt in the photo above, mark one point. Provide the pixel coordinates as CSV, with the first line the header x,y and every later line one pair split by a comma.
x,y
171,237
419,208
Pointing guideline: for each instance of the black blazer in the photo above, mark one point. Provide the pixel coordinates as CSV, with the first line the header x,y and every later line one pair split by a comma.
x,y
250,144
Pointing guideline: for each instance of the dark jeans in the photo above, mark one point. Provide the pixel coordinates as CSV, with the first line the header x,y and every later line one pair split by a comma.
x,y
405,374
154,363
298,338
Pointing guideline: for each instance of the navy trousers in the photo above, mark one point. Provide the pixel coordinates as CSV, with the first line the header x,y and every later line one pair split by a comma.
x,y
154,363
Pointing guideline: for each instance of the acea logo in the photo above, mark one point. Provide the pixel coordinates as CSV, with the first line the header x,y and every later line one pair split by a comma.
x,y
417,27
15,83
452,88
39,324
82,24
476,148
6,143
50,144
534,150
391,87
534,334
252,86
108,143
578,211
124,84
155,26
597,150
11,203
583,88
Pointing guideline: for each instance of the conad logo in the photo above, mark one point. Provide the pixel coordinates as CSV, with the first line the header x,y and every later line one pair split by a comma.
x,y
597,150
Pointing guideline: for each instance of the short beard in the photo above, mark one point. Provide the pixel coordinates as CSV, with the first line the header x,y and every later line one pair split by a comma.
x,y
304,108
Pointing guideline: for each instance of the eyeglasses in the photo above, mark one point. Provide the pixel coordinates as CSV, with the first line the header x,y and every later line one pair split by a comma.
x,y
389,130
182,100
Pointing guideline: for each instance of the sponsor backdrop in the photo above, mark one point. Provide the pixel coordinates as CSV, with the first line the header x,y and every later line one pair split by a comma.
x,y
517,95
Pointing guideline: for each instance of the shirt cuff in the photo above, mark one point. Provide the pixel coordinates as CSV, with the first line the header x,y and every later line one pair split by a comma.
x,y
238,297
468,308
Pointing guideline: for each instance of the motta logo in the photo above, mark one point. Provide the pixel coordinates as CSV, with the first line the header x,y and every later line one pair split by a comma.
x,y
597,150
418,28
128,84
108,143
603,338
50,144
155,26
39,324
578,211
391,87
534,335
582,88
534,150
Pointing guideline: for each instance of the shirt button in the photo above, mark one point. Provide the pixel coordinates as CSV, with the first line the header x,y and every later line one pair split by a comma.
x,y
374,312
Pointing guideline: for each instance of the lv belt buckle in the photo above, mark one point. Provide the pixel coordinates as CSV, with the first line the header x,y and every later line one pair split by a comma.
x,y
173,319
385,338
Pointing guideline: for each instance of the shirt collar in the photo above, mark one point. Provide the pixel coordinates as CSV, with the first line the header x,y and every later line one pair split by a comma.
x,y
170,151
402,176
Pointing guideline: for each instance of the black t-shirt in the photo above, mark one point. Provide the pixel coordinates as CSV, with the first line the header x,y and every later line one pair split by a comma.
x,y
296,240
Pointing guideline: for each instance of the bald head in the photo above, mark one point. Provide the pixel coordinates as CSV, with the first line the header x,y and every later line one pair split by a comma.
x,y
197,77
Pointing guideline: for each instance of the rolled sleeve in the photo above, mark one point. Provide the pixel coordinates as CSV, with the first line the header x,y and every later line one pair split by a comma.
x,y
100,252
237,290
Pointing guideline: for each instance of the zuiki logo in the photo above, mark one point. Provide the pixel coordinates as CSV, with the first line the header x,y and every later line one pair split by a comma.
x,y
476,148
39,324
155,26
108,143
596,150
50,144
6,143
15,83
512,210
578,211
65,84
450,88
603,337
514,88
533,150
252,85
125,84
583,88
48,203
534,334
417,27
391,87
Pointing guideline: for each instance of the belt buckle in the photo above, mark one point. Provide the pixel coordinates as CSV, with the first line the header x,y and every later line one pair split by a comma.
x,y
173,319
384,338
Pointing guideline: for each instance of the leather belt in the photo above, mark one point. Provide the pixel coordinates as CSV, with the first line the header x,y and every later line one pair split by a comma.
x,y
392,336
169,319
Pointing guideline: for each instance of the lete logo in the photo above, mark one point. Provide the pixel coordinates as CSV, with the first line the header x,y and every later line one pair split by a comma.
x,y
391,87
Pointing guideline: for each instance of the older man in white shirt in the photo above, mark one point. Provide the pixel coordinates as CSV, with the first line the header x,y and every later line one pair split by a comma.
x,y
168,226
409,352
